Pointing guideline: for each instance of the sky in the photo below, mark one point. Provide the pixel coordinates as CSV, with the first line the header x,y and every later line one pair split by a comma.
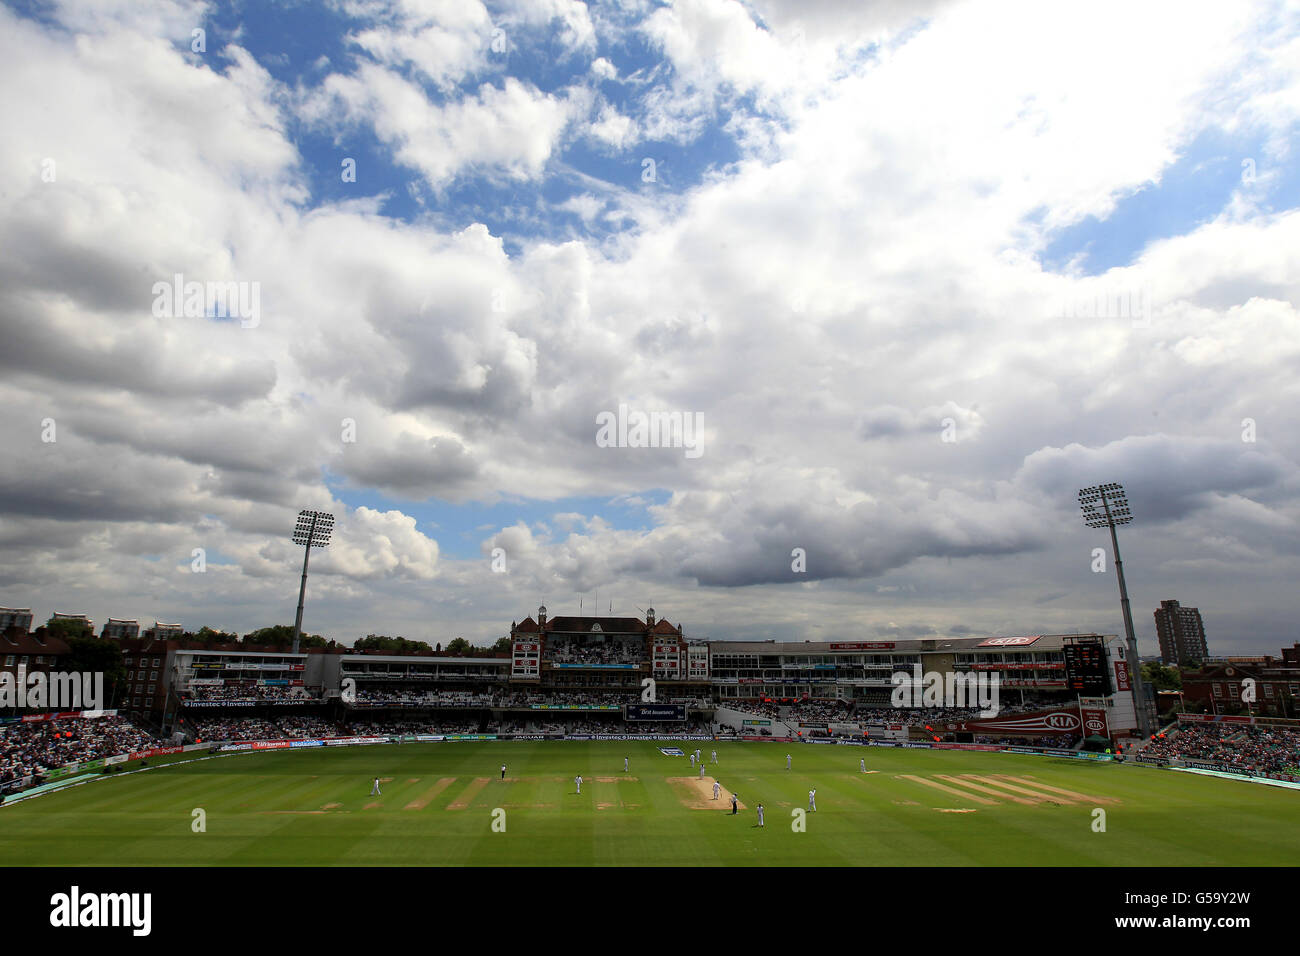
x,y
898,278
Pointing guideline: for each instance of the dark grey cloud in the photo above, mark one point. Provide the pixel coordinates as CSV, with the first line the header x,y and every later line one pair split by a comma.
x,y
412,468
1167,477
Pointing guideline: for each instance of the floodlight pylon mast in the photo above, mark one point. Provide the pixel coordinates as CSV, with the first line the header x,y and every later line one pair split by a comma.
x,y
1119,573
1115,512
313,529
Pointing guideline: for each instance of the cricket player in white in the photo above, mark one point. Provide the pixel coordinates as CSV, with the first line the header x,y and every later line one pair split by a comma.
x,y
760,815
862,764
699,755
375,791
715,756
701,771
787,761
578,781
812,799
625,765
692,756
716,787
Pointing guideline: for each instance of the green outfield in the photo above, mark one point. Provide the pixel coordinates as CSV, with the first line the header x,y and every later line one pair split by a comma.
x,y
916,807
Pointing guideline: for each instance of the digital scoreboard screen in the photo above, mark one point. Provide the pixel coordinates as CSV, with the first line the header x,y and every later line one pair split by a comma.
x,y
1085,669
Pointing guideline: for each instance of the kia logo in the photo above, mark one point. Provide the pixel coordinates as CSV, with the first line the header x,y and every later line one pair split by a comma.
x,y
1063,721
1094,724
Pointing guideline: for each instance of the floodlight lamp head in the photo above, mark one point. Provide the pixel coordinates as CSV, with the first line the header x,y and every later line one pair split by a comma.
x,y
313,529
1115,510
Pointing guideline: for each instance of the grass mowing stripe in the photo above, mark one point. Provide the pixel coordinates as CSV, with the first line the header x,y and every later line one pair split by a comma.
x,y
962,794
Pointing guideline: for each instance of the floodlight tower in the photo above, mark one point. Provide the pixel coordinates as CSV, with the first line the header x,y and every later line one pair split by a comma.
x,y
1114,511
313,530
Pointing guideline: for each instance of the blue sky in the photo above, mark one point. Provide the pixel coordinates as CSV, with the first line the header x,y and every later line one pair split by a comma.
x,y
460,528
1191,191
290,41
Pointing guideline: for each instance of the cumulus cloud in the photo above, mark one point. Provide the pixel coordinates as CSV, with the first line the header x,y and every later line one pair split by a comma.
x,y
859,262
511,129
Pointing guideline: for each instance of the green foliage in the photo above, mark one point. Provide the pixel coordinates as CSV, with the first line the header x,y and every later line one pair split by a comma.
x,y
208,635
1161,677
281,635
66,629
90,654
393,645
457,647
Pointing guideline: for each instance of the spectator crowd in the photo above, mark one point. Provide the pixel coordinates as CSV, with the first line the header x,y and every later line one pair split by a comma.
x,y
33,749
1239,749
605,652
257,692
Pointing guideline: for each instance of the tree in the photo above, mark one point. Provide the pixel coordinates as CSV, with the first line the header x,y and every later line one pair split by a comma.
x,y
396,645
459,646
502,644
67,628
280,635
210,636
90,655
1161,677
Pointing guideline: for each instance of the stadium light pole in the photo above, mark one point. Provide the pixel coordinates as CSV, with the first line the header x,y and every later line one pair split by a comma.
x,y
312,531
1114,512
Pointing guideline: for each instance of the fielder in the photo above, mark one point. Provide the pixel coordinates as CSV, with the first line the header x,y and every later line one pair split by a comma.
x,y
812,799
716,787
787,761
625,765
375,791
715,756
701,771
760,815
578,781
862,765
692,756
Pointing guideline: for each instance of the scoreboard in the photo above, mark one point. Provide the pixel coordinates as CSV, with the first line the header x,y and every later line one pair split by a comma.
x,y
1085,669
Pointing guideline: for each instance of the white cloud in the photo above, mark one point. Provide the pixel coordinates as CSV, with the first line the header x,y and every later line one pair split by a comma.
x,y
614,129
511,130
867,268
